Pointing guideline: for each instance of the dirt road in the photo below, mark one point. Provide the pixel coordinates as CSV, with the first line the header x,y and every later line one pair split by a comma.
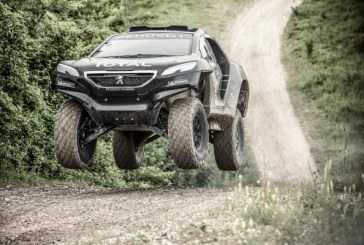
x,y
72,215
102,216
275,136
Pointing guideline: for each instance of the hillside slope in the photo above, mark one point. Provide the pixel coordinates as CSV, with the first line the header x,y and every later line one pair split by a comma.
x,y
324,53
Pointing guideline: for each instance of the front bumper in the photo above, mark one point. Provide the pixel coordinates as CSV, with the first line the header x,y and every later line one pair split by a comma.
x,y
144,113
136,106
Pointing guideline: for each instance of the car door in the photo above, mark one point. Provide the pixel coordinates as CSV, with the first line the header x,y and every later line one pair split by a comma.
x,y
207,53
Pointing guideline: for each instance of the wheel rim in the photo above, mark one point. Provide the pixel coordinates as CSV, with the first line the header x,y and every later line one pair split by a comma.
x,y
244,93
198,131
86,127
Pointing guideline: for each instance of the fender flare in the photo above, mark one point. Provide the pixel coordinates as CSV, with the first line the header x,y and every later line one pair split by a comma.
x,y
237,78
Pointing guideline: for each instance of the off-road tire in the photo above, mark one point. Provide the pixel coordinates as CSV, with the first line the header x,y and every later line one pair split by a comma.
x,y
69,152
127,154
228,154
187,148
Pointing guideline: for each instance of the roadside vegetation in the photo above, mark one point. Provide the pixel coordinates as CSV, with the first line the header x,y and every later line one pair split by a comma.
x,y
276,215
272,215
324,53
35,36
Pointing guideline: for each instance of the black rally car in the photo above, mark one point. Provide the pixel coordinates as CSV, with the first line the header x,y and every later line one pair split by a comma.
x,y
149,82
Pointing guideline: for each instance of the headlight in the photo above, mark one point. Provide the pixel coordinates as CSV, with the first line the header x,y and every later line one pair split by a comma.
x,y
67,70
64,83
179,68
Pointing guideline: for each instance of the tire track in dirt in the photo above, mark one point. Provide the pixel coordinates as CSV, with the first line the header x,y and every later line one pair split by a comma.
x,y
274,133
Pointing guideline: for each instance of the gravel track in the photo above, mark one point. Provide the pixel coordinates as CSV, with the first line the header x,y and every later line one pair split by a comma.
x,y
102,216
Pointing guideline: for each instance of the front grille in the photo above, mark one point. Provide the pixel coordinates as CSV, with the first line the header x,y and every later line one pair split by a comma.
x,y
120,80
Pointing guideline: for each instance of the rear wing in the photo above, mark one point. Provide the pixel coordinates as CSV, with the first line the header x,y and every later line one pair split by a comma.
x,y
166,28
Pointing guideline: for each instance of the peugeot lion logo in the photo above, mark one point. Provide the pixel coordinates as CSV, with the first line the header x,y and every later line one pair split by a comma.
x,y
119,80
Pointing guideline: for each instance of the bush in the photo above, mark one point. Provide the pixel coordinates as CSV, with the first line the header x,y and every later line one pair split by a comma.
x,y
36,35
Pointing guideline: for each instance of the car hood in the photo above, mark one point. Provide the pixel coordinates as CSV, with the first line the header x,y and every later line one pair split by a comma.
x,y
128,64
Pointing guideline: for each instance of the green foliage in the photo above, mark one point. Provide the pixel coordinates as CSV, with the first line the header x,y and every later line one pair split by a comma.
x,y
24,117
324,52
330,38
36,35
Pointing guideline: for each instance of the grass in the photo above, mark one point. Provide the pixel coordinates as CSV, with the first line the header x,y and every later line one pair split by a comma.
x,y
324,53
216,17
298,216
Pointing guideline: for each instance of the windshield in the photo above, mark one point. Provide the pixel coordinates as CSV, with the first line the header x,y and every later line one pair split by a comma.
x,y
146,45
